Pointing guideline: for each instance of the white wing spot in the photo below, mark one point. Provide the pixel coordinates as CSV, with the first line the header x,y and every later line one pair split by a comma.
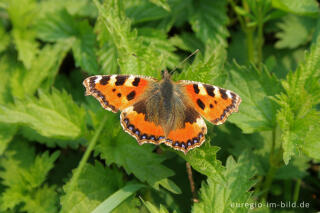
x,y
113,80
202,90
216,92
99,77
129,81
229,94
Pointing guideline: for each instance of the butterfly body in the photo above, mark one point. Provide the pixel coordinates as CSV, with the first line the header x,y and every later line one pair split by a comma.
x,y
163,111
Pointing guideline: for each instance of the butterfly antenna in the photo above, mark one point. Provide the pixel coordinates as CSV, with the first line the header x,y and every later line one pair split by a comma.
x,y
182,62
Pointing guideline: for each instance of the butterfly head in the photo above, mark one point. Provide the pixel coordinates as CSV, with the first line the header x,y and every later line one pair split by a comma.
x,y
165,75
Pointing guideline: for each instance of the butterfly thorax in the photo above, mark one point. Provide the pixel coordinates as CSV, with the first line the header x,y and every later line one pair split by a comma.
x,y
165,106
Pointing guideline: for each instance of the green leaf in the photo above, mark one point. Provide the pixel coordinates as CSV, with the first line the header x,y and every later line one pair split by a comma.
x,y
161,3
44,199
312,143
218,197
62,26
8,65
204,160
95,184
169,185
83,8
42,72
134,56
153,209
26,45
145,11
209,21
4,38
116,198
118,147
295,31
297,115
83,49
187,42
22,14
158,40
7,131
53,115
257,111
207,67
24,173
299,7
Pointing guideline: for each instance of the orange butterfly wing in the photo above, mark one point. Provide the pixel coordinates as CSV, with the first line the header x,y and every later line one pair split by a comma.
x,y
213,103
116,92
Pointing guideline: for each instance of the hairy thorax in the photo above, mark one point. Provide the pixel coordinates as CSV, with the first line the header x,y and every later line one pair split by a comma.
x,y
166,105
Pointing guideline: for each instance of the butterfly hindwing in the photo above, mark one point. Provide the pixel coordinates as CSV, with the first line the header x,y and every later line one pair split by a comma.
x,y
213,103
191,135
133,121
116,92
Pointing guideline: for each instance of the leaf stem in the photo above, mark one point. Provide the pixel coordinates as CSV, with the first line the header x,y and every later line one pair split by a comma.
x,y
296,190
273,161
190,177
260,38
86,155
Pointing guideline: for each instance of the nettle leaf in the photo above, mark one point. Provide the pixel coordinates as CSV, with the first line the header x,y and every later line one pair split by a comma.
x,y
203,159
44,199
161,3
94,184
217,197
257,111
42,72
144,11
209,21
60,25
153,209
74,7
157,39
187,41
297,116
295,31
7,131
299,7
118,147
24,173
23,14
134,56
4,38
107,51
207,68
53,115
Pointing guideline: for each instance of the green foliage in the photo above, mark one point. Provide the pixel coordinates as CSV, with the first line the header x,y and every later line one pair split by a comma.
x,y
295,31
24,175
298,116
52,115
219,197
61,152
209,21
94,185
255,88
117,147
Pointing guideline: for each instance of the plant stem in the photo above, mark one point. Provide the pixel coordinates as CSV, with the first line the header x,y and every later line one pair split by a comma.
x,y
273,161
86,155
190,177
250,45
296,190
260,38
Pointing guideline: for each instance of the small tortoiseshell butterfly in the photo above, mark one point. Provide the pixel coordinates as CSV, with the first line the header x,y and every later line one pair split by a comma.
x,y
164,111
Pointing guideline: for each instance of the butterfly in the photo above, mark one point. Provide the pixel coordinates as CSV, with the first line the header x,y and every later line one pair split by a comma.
x,y
163,111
